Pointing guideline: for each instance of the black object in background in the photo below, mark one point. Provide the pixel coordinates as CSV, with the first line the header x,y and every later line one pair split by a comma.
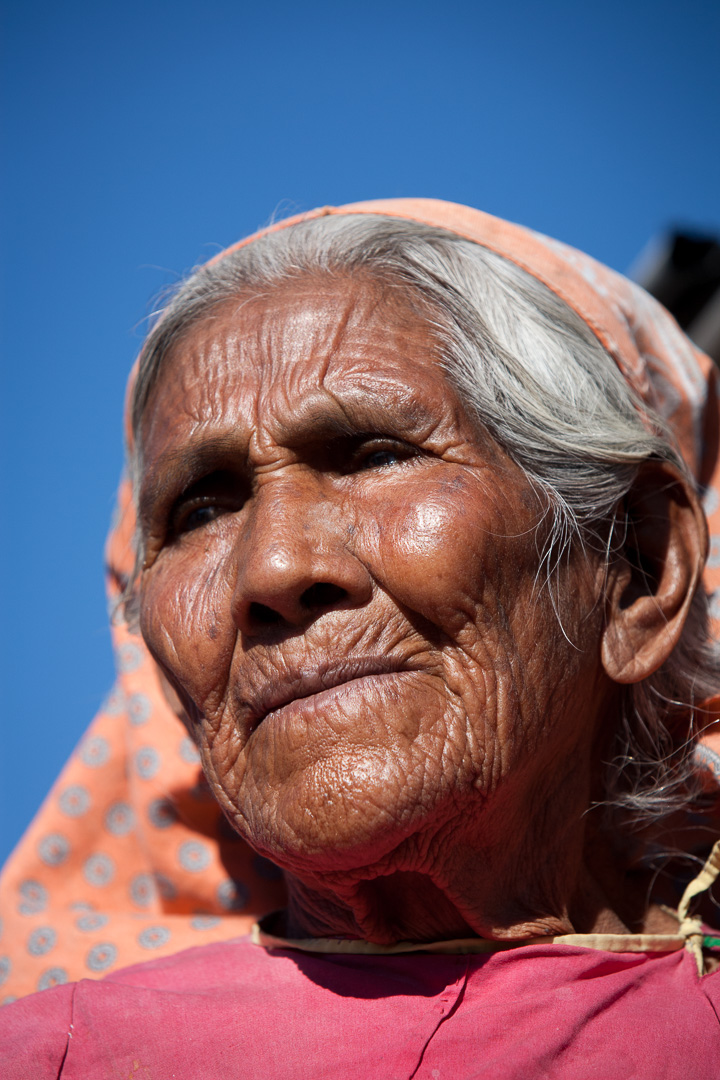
x,y
681,269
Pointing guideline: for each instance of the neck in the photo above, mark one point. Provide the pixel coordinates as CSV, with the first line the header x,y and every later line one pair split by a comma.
x,y
551,874
402,906
459,889
411,906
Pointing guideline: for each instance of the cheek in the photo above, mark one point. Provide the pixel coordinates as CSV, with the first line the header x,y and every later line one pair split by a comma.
x,y
435,552
184,602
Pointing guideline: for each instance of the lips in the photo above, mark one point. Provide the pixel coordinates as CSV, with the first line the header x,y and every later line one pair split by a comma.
x,y
295,685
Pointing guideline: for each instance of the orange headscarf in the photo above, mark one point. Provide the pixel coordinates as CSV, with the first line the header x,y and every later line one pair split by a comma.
x,y
129,857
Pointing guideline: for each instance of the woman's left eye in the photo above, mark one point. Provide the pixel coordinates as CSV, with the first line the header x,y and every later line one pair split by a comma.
x,y
380,457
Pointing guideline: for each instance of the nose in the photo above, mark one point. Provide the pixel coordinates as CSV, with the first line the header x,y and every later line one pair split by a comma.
x,y
293,562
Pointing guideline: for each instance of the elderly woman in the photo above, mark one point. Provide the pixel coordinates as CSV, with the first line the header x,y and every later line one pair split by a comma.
x,y
419,556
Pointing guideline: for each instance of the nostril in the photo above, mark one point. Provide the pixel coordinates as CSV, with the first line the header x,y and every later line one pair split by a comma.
x,y
263,615
322,595
292,610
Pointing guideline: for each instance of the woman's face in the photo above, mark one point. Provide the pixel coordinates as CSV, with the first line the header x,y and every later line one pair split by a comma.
x,y
343,583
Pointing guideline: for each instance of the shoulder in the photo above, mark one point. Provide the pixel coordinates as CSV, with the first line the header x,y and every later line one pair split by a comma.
x,y
34,1034
201,1011
221,962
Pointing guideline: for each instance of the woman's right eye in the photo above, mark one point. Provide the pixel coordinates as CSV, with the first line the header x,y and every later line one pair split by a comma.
x,y
187,521
206,500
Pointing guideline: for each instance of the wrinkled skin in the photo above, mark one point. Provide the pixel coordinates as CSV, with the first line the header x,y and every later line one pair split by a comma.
x,y
341,582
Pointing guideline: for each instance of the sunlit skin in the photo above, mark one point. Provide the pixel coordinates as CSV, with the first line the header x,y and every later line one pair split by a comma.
x,y
342,584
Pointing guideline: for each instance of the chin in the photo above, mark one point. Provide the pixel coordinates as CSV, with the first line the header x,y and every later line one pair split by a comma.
x,y
331,819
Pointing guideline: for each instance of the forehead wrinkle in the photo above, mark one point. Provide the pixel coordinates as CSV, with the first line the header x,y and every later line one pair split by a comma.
x,y
194,393
319,328
206,398
345,374
294,339
299,353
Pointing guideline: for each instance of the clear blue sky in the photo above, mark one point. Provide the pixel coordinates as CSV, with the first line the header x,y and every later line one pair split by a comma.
x,y
140,137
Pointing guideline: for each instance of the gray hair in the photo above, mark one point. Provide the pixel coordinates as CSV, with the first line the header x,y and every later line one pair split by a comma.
x,y
541,383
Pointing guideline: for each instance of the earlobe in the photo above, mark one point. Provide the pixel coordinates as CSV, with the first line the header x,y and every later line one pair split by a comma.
x,y
653,579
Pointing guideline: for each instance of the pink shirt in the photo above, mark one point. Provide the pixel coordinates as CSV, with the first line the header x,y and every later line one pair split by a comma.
x,y
233,1009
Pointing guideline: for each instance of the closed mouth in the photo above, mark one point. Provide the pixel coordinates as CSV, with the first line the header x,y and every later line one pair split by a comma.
x,y
299,685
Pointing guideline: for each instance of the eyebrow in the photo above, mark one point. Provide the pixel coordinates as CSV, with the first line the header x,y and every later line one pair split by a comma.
x,y
357,413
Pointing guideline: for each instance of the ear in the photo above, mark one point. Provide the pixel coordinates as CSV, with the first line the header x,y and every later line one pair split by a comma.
x,y
651,583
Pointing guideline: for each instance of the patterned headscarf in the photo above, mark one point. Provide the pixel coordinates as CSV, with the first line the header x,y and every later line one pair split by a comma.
x,y
129,857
